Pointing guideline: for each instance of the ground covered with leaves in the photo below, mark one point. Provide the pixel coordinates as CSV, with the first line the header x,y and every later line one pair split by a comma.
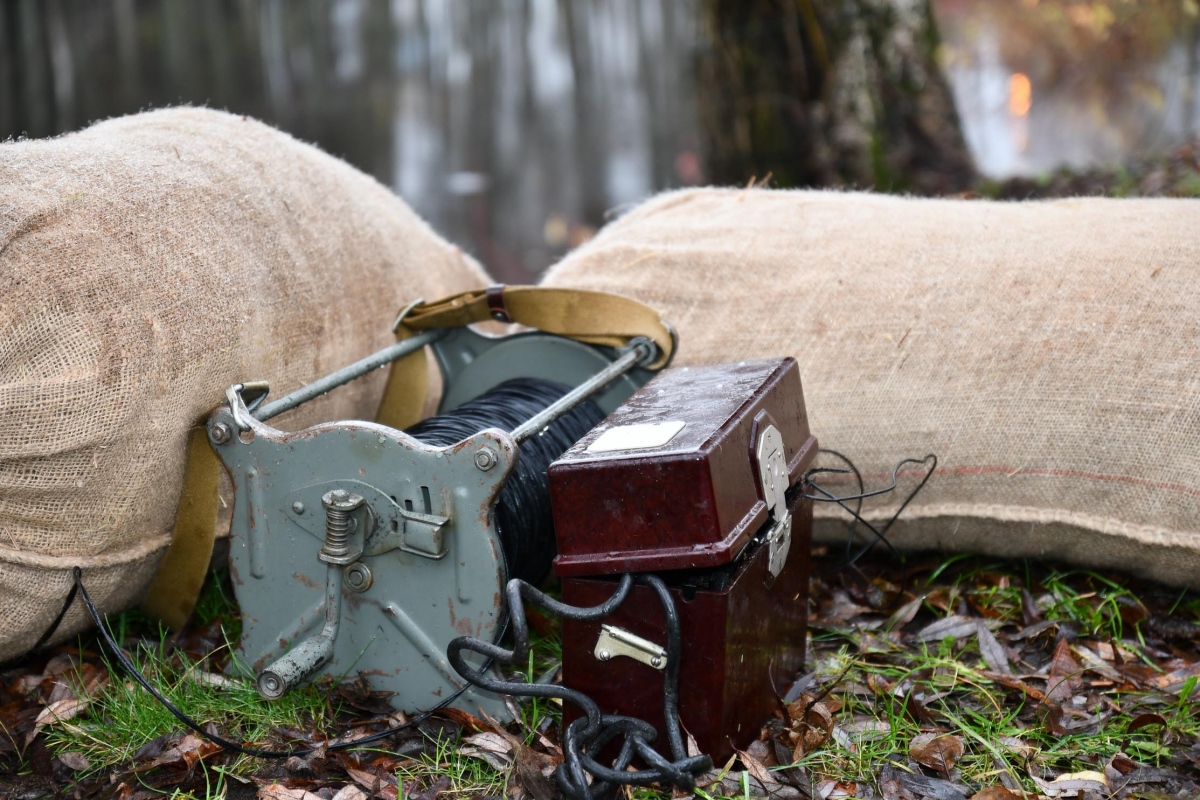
x,y
939,679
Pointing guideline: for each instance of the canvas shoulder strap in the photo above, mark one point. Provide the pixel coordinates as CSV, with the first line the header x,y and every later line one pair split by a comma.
x,y
592,317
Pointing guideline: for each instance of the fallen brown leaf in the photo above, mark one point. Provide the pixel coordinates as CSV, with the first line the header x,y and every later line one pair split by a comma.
x,y
937,751
756,768
995,793
493,748
812,725
1120,764
1064,678
954,626
466,720
992,651
1079,782
375,785
277,791
1142,720
435,789
531,777
75,761
905,613
191,748
59,711
1018,747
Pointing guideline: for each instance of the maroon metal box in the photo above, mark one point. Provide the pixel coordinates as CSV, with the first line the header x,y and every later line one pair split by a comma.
x,y
683,498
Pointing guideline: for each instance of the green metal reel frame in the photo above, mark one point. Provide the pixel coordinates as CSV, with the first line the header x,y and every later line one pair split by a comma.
x,y
425,564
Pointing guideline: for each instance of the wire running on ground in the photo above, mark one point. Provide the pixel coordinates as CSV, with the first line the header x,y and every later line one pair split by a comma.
x,y
584,738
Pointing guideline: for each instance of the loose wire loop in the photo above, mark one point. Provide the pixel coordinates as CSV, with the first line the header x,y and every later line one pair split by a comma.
x,y
584,738
879,534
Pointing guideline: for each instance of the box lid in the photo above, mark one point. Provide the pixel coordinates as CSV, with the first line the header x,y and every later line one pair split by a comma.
x,y
670,479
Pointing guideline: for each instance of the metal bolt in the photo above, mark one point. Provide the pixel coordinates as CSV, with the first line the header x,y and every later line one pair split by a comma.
x,y
270,686
485,459
219,433
298,507
656,662
604,655
358,577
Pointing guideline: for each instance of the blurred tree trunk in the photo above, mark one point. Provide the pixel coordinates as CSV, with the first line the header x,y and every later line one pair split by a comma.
x,y
829,93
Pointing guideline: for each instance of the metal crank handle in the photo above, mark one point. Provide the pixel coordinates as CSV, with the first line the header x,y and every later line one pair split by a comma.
x,y
339,550
309,655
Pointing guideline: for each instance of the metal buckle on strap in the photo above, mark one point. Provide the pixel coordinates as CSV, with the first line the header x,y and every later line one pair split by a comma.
x,y
495,301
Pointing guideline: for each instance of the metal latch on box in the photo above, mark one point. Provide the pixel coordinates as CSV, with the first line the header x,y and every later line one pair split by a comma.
x,y
616,641
772,469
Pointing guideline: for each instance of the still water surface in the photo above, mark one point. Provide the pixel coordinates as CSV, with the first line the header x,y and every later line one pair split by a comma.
x,y
516,127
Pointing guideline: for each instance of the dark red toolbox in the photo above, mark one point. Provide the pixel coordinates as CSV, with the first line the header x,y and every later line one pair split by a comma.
x,y
690,480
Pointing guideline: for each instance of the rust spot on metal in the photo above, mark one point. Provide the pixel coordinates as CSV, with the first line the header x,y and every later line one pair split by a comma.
x,y
307,582
463,625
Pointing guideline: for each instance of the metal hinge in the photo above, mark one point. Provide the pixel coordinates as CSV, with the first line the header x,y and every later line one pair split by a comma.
x,y
772,469
616,641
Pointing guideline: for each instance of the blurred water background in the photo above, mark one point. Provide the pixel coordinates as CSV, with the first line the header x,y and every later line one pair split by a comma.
x,y
516,127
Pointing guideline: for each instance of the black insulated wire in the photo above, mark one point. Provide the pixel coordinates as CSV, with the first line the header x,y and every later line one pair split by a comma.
x,y
584,738
523,518
879,535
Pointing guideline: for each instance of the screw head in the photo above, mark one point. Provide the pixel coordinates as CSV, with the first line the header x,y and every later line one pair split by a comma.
x,y
219,433
485,459
341,500
656,662
298,507
604,655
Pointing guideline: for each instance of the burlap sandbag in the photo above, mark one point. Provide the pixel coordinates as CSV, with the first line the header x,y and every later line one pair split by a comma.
x,y
147,263
1047,352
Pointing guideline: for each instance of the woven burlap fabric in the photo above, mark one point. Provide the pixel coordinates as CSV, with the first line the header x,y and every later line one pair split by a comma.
x,y
147,263
1047,352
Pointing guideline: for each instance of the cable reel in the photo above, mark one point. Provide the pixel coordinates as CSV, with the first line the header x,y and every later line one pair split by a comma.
x,y
359,549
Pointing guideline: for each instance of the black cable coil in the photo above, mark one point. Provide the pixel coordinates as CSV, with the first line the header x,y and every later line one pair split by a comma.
x,y
523,518
584,738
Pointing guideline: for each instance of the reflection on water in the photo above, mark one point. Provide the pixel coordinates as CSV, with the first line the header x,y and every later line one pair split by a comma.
x,y
512,126
515,126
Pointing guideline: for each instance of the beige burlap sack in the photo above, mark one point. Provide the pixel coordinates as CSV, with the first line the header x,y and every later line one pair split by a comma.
x,y
147,263
1048,352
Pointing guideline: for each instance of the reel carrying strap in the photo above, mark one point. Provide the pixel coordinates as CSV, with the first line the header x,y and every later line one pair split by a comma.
x,y
597,318
594,318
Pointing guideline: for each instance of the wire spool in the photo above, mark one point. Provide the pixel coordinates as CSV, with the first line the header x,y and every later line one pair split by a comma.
x,y
523,516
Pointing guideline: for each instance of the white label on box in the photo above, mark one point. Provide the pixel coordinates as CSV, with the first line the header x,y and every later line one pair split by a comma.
x,y
641,436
